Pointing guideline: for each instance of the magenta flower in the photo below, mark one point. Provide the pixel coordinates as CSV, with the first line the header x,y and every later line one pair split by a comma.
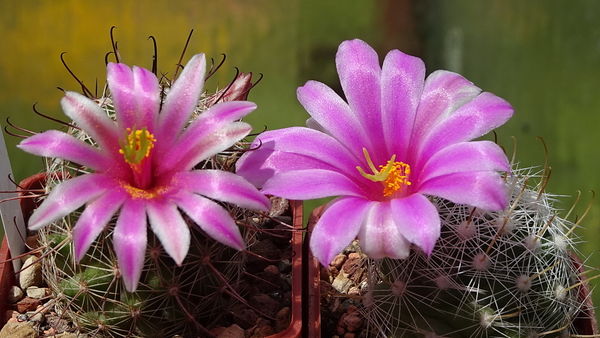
x,y
398,139
143,166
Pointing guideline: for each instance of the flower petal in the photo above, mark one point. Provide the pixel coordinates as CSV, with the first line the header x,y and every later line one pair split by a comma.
x,y
130,240
186,156
294,148
333,115
211,218
379,236
417,220
170,228
201,132
136,96
444,92
466,156
54,143
482,189
94,219
90,117
223,186
311,184
68,196
338,227
181,100
486,112
360,76
405,74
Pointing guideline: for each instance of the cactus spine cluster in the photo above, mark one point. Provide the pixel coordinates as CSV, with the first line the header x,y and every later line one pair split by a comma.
x,y
492,274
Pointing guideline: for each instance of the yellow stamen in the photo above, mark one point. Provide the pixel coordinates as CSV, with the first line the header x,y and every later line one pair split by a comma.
x,y
137,145
393,176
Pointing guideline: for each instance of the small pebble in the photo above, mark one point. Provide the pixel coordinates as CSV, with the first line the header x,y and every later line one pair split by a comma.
x,y
10,314
282,319
234,331
28,304
35,316
15,294
354,291
32,242
272,270
21,330
32,274
338,261
37,293
353,322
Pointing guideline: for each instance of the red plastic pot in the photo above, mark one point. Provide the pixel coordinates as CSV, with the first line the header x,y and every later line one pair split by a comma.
x,y
295,328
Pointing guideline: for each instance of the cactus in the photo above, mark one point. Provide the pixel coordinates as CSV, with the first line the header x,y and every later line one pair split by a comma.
x,y
491,274
170,300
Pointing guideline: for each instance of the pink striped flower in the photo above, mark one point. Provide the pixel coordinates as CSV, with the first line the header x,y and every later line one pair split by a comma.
x,y
398,139
142,166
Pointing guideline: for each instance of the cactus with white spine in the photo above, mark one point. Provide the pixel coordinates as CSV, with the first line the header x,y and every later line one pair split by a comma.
x,y
170,299
492,274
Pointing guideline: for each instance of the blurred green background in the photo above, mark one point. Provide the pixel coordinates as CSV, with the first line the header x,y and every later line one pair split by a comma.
x,y
542,56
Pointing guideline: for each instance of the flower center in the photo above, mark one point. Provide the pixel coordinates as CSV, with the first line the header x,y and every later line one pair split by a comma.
x,y
137,145
393,176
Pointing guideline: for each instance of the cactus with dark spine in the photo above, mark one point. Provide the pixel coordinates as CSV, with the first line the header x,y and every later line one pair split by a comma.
x,y
492,274
170,300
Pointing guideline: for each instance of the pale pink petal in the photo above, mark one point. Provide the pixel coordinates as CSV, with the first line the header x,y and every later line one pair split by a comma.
x,y
311,184
486,112
90,117
418,220
199,133
54,143
170,228
188,155
360,76
481,189
136,96
69,196
181,100
466,156
130,240
333,115
212,218
338,226
295,148
260,166
405,74
379,236
94,219
443,94
222,186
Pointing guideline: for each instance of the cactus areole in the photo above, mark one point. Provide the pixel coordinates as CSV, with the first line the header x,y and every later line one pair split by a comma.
x,y
140,165
398,139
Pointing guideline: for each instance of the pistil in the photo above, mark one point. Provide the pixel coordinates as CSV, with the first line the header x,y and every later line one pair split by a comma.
x,y
393,176
136,149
